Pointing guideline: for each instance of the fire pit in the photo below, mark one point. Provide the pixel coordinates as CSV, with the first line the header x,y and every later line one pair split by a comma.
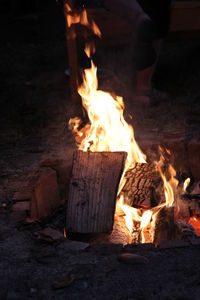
x,y
149,195
40,257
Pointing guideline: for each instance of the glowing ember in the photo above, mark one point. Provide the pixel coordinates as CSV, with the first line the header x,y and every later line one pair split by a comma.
x,y
195,222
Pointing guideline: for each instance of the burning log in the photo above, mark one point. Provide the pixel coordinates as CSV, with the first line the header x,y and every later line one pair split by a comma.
x,y
93,191
143,187
165,228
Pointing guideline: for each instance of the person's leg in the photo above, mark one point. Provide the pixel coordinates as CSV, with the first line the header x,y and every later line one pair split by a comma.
x,y
147,53
144,76
143,34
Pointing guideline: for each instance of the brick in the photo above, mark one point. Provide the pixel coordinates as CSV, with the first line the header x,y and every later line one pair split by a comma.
x,y
46,194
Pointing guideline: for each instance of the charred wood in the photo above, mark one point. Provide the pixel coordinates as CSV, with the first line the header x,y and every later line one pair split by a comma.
x,y
143,187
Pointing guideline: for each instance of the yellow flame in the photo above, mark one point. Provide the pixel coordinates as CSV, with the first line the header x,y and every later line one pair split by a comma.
x,y
171,184
80,17
186,184
131,214
107,130
148,218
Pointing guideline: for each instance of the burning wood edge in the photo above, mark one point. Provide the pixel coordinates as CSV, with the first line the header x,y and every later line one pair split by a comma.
x,y
93,191
143,187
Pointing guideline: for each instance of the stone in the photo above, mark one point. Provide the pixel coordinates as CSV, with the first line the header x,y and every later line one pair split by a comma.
x,y
132,259
23,195
21,206
64,282
46,195
74,246
20,211
50,235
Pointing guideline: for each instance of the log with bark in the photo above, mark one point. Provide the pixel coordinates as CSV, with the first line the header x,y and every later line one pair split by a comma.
x,y
143,187
93,191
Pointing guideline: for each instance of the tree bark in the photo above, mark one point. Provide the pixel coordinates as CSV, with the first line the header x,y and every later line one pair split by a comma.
x,y
143,187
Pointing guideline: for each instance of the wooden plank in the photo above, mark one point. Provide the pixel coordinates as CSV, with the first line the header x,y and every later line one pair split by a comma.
x,y
93,191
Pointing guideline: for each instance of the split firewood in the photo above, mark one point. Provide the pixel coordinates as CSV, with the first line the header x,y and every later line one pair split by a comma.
x,y
93,191
165,228
143,187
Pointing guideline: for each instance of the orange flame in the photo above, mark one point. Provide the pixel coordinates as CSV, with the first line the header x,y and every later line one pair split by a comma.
x,y
107,130
170,185
80,17
195,222
65,233
186,184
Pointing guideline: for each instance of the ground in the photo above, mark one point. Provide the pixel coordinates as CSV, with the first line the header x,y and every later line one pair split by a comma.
x,y
35,107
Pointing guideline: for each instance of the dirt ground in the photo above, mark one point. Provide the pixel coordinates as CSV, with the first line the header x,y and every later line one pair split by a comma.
x,y
35,107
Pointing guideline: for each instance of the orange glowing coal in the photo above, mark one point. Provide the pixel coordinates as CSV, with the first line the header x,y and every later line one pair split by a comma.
x,y
195,222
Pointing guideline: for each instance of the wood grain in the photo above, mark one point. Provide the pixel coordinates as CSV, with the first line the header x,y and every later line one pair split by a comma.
x,y
93,191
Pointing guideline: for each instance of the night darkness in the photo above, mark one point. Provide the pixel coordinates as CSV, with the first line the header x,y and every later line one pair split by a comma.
x,y
35,107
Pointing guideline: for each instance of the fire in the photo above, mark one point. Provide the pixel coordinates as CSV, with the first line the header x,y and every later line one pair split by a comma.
x,y
186,184
195,222
107,130
131,214
171,184
80,18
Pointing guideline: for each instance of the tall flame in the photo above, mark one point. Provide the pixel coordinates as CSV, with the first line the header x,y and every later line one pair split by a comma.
x,y
80,17
186,184
107,130
171,184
